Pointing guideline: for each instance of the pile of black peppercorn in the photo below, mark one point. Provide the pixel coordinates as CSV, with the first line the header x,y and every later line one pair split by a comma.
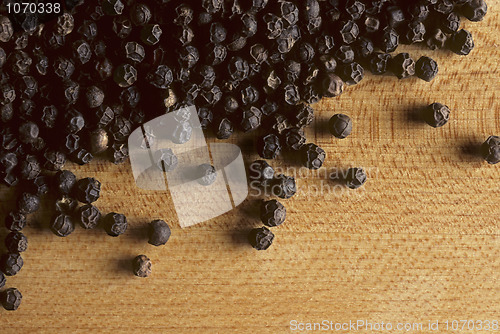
x,y
78,84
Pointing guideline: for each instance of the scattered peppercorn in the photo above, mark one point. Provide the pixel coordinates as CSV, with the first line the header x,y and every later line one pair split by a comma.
x,y
355,178
490,150
283,186
62,225
16,242
158,232
426,68
313,156
11,263
206,174
272,213
261,238
141,266
11,299
340,126
87,190
28,203
115,224
436,115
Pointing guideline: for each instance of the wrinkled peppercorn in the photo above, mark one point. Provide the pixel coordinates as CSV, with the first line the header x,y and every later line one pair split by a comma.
x,y
355,178
28,203
261,172
141,266
461,42
64,181
15,221
115,224
313,156
158,232
11,299
283,186
62,225
490,150
261,238
206,174
403,66
88,216
340,126
87,190
272,213
268,147
66,204
474,10
16,242
332,85
436,115
11,263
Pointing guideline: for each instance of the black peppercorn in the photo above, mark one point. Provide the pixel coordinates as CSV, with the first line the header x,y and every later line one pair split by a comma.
x,y
161,77
206,174
94,97
88,216
379,63
251,118
11,263
63,67
490,150
158,232
272,213
62,225
450,23
82,156
6,29
87,190
64,181
261,172
261,238
223,128
313,156
389,40
28,132
426,68
352,73
345,54
474,10
332,85
98,140
294,138
125,75
268,147
49,116
16,242
436,115
88,30
112,7
66,204
355,178
11,299
3,280
119,153
15,221
82,51
461,42
140,14
115,224
28,203
283,186
403,66
415,32
141,266
340,126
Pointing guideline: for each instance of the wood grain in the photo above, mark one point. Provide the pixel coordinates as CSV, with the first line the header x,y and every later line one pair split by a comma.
x,y
419,242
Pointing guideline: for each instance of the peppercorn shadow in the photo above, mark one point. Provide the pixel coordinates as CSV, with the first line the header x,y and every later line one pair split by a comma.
x,y
469,150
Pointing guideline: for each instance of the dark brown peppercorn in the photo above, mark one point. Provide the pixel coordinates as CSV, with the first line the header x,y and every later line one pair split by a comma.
x,y
28,132
436,40
461,42
355,178
261,172
140,14
141,266
115,224
66,204
3,280
6,29
88,216
15,221
28,203
64,181
272,213
54,160
251,118
261,238
94,97
352,73
82,52
403,66
158,232
426,68
389,40
332,85
112,7
436,115
16,242
119,153
474,10
82,156
11,263
340,126
206,174
11,299
87,190
62,225
98,140
284,186
121,128
294,139
313,156
490,150
268,147
223,128
125,75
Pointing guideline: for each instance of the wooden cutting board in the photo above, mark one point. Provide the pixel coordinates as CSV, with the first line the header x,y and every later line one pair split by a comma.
x,y
419,242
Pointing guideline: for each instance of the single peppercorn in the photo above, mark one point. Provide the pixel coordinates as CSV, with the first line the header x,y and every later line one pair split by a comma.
x,y
251,118
490,150
98,140
158,232
53,160
125,75
64,181
261,172
272,213
461,42
11,263
15,221
87,190
313,156
16,242
141,266
65,204
73,121
294,138
474,10
436,115
340,126
94,97
28,203
355,178
426,68
269,147
261,238
8,161
11,299
332,85
140,14
403,66
206,174
62,225
28,132
82,156
115,224
283,186
165,159
88,216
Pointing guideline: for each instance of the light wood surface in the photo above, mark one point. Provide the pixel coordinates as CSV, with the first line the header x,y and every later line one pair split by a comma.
x,y
419,242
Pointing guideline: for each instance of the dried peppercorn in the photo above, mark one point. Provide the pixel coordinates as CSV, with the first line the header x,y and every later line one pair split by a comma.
x,y
88,216
125,75
98,141
355,178
6,29
206,174
426,68
294,138
119,153
313,156
3,280
62,225
345,54
450,23
158,232
340,126
490,150
70,92
73,121
115,224
389,40
28,132
261,172
65,204
82,51
121,128
140,14
141,266
112,7
268,147
94,97
11,299
461,42
162,77
403,66
272,213
261,238
283,186
251,118
82,156
103,69
332,85
11,263
223,128
352,73
28,203
436,115
63,67
7,94
71,143
15,221
165,159
87,190
64,181
474,10
16,242
88,30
